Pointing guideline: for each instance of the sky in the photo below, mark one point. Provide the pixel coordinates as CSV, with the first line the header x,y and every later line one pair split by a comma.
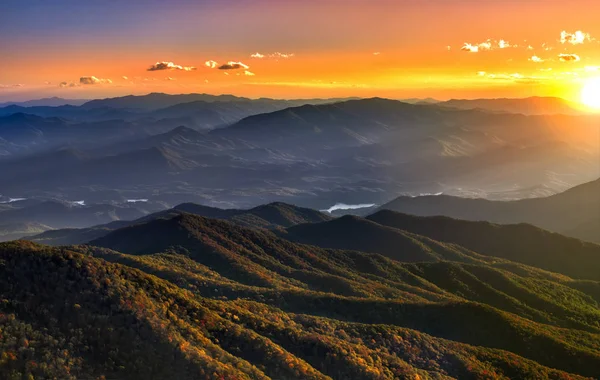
x,y
299,48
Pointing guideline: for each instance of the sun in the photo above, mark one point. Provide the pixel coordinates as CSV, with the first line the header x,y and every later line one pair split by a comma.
x,y
590,94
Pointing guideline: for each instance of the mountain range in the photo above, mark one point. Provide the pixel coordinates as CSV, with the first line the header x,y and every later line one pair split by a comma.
x,y
575,212
179,237
182,295
528,106
232,152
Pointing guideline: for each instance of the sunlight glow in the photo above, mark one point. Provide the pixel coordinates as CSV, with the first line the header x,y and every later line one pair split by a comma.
x,y
590,94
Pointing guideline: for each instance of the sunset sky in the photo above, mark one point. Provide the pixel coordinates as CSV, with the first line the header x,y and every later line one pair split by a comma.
x,y
297,49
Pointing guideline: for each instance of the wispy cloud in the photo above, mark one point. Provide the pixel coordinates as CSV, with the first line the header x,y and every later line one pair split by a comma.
x,y
169,66
249,73
575,38
281,55
125,77
94,80
233,66
169,78
569,58
272,55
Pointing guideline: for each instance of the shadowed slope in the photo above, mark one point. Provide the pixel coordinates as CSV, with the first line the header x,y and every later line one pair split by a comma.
x,y
518,242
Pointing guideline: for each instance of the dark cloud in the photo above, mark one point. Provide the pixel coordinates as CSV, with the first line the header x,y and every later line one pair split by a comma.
x,y
569,58
233,66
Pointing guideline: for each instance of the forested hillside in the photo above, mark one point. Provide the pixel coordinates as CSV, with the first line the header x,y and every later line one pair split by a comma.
x,y
191,297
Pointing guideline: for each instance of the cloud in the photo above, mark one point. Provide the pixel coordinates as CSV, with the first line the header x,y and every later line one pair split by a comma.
x,y
569,58
281,55
536,59
481,73
276,55
169,66
377,53
575,38
475,48
67,84
125,77
212,64
470,48
486,46
249,73
233,66
94,80
169,78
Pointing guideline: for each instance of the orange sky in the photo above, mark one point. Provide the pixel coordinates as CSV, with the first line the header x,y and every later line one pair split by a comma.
x,y
396,49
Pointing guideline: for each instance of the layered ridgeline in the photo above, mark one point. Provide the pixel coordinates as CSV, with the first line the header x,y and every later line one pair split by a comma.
x,y
575,212
270,216
244,152
184,296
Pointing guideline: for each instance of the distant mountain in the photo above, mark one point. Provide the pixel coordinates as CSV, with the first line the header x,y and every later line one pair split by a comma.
x,y
526,106
274,215
421,101
69,167
16,231
353,122
156,101
522,243
586,230
32,134
46,102
317,155
62,214
266,216
564,212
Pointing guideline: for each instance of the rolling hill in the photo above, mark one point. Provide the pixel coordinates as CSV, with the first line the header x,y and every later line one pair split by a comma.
x,y
191,297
